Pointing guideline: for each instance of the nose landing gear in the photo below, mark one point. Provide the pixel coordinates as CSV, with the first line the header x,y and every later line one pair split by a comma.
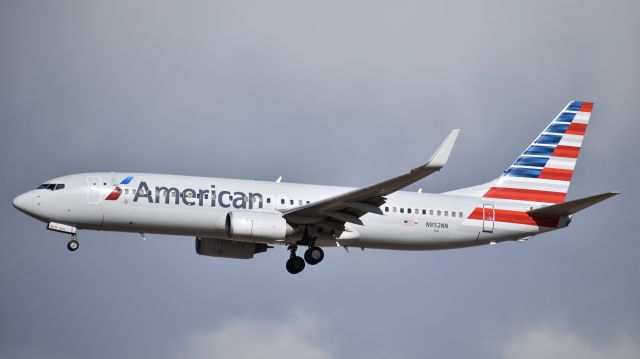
x,y
73,244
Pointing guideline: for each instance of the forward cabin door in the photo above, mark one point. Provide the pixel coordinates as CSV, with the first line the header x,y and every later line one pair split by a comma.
x,y
488,218
93,195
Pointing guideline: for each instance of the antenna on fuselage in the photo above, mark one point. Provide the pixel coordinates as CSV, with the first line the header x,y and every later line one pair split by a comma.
x,y
419,190
279,179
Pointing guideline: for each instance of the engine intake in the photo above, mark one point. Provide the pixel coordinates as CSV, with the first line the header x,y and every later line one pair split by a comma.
x,y
256,226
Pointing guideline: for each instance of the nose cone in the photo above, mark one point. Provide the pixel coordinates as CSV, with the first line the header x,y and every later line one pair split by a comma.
x,y
24,203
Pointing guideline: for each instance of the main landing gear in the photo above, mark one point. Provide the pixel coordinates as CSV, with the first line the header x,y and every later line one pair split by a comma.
x,y
73,244
295,264
313,255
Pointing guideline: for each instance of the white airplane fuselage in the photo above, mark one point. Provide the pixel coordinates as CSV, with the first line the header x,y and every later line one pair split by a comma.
x,y
239,218
199,206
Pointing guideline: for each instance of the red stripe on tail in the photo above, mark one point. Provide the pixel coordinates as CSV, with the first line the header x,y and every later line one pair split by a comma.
x,y
577,129
566,151
586,107
521,194
556,174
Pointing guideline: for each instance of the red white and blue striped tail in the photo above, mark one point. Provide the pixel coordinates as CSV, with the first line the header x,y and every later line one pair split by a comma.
x,y
543,172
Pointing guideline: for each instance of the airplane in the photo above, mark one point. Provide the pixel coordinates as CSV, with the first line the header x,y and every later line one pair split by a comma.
x,y
239,218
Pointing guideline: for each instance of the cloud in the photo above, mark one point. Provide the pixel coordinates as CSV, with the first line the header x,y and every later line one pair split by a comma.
x,y
296,334
554,343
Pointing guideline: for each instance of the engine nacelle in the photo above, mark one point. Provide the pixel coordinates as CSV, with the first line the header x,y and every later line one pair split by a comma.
x,y
256,226
215,247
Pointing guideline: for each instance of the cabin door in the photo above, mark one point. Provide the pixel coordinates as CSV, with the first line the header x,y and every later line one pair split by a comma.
x,y
488,218
93,196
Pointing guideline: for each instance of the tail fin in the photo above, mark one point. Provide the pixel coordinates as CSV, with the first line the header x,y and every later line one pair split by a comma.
x,y
542,173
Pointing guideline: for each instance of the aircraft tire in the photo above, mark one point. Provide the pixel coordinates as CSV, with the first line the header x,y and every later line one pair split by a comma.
x,y
314,255
73,245
295,265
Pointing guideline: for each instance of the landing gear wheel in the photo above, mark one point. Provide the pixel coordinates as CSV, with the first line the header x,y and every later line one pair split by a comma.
x,y
73,245
295,264
314,255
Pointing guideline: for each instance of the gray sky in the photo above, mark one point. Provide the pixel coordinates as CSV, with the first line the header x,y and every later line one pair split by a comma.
x,y
331,92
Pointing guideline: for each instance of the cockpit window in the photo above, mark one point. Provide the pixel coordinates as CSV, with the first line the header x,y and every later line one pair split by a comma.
x,y
51,186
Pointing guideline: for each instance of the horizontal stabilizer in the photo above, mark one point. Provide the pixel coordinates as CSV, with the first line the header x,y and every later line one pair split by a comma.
x,y
569,208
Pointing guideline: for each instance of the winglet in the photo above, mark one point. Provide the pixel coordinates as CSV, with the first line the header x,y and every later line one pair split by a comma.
x,y
440,157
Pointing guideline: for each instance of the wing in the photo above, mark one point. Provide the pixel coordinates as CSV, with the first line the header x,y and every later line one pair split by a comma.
x,y
332,213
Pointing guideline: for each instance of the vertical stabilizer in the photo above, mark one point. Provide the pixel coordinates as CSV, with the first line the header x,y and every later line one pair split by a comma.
x,y
542,173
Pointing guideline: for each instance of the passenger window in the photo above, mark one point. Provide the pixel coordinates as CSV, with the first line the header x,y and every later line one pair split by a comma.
x,y
268,199
460,214
439,212
453,214
386,209
395,209
300,202
417,211
291,202
431,212
446,213
308,202
401,210
282,201
408,210
424,212
126,191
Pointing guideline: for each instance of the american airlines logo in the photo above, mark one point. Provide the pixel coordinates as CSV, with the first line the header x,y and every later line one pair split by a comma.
x,y
196,197
117,191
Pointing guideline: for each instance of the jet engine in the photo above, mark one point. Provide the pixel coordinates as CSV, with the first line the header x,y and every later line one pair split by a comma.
x,y
256,226
215,247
